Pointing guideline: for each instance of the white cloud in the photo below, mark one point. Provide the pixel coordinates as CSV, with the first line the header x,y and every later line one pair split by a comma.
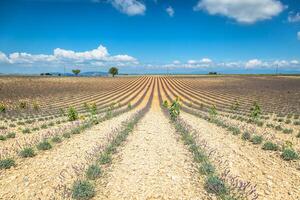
x,y
129,7
294,17
98,56
170,11
3,58
207,63
298,35
176,62
243,11
295,62
254,63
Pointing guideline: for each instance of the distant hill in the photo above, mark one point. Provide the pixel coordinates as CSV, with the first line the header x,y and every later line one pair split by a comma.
x,y
81,74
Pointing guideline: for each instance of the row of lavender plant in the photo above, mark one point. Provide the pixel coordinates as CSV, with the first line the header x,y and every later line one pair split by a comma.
x,y
84,186
50,138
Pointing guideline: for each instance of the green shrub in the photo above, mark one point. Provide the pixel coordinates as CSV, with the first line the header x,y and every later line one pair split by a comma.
x,y
12,125
7,163
2,137
289,154
259,123
22,104
165,104
255,111
270,146
288,121
93,172
72,114
174,109
11,135
234,130
246,136
212,112
280,120
75,131
207,169
26,130
56,139
83,190
67,135
215,185
296,122
35,129
287,131
105,158
256,139
278,128
27,152
129,106
45,145
2,108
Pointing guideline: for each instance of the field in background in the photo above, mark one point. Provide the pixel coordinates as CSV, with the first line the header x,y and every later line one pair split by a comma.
x,y
247,126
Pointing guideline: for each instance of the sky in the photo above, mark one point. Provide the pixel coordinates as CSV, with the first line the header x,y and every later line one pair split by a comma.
x,y
150,36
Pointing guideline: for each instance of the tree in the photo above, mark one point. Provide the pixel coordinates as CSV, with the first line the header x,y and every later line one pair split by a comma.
x,y
76,71
113,71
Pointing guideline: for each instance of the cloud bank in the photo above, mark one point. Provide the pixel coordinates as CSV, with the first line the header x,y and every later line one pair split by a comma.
x,y
97,57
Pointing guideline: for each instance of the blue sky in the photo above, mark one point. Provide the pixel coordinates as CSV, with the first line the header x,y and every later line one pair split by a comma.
x,y
191,36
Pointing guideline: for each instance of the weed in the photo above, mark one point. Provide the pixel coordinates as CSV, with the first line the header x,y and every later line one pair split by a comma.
x,y
234,130
83,190
174,109
287,131
56,139
278,128
7,163
165,104
22,104
215,185
296,122
105,158
270,146
11,135
93,172
67,135
246,136
2,138
26,130
44,145
2,108
256,139
288,121
27,152
255,111
212,112
72,114
44,126
289,154
207,169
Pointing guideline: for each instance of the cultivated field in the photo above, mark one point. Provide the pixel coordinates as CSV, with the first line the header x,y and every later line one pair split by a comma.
x,y
150,137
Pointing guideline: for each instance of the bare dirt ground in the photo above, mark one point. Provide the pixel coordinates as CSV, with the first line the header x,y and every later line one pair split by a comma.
x,y
153,164
275,179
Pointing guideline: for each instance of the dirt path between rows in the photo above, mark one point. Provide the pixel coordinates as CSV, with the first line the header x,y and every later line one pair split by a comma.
x,y
152,164
274,177
37,177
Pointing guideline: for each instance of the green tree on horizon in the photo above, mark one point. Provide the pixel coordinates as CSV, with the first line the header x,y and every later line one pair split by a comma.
x,y
76,71
113,71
